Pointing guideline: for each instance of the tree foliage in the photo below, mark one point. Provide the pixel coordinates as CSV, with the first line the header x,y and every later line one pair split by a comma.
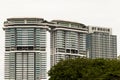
x,y
86,69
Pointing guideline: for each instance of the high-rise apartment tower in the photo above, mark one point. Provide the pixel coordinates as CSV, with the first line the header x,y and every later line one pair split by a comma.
x,y
68,40
101,43
26,49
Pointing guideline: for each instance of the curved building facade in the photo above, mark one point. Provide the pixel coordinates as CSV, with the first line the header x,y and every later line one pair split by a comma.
x,y
68,40
25,49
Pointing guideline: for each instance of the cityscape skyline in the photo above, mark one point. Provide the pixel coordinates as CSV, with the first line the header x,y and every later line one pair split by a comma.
x,y
96,12
32,45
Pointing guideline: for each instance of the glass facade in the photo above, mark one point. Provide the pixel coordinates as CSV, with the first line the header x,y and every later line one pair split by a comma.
x,y
101,45
68,41
69,44
25,57
25,66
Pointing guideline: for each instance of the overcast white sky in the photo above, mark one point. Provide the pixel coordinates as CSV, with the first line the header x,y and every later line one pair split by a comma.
x,y
104,13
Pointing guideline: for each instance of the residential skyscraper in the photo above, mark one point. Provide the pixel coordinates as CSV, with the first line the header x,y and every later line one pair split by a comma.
x,y
26,49
101,43
68,40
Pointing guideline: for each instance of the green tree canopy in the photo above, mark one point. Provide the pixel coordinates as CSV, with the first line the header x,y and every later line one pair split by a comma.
x,y
86,69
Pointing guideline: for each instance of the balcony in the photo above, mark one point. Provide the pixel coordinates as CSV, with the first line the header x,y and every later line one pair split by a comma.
x,y
7,23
